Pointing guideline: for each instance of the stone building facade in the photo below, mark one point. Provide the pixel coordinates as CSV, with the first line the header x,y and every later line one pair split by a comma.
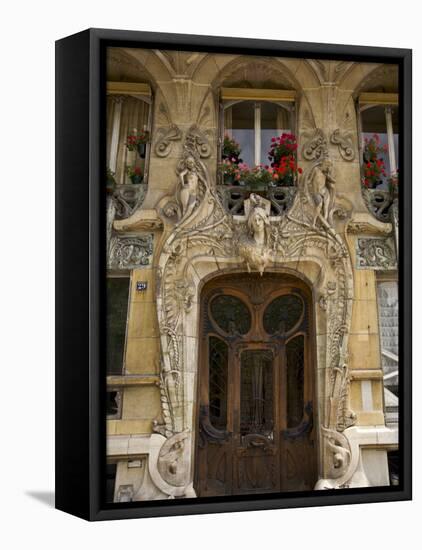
x,y
181,236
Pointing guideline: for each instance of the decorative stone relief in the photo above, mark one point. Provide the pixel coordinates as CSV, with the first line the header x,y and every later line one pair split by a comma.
x,y
128,198
375,254
198,140
206,240
378,202
191,183
321,188
257,244
165,138
130,252
330,290
316,147
344,142
366,223
339,446
169,467
173,463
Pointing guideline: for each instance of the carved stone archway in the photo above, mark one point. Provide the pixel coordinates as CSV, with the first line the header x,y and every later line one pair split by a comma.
x,y
202,240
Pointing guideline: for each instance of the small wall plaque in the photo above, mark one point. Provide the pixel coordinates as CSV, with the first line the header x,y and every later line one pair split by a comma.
x,y
141,286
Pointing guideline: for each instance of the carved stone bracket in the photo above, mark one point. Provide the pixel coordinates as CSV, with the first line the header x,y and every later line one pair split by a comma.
x,y
130,252
366,223
377,254
165,139
344,142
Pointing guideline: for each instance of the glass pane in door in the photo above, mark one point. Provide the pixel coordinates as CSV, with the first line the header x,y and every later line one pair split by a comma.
x,y
256,393
295,380
218,362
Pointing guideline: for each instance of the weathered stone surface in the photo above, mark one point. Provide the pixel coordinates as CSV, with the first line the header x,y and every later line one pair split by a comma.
x,y
321,237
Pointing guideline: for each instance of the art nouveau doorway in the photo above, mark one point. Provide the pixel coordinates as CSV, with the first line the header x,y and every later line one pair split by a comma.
x,y
256,392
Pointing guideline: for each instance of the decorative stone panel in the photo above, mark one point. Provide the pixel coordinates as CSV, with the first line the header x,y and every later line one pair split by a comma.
x,y
377,254
130,252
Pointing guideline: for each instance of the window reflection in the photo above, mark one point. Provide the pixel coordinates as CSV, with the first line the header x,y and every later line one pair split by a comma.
x,y
252,124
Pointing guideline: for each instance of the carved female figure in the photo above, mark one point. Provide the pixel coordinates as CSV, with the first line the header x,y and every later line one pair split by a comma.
x,y
323,192
189,186
254,246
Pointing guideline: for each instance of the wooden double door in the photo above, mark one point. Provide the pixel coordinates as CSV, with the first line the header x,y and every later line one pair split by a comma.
x,y
255,429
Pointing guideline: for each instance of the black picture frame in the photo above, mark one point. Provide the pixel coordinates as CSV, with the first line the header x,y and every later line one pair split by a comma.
x,y
80,265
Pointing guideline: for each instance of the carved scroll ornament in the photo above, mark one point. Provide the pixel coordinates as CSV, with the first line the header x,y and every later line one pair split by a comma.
x,y
316,147
344,142
166,137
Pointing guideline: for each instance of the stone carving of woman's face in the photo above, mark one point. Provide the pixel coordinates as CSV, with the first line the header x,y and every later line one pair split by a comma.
x,y
258,221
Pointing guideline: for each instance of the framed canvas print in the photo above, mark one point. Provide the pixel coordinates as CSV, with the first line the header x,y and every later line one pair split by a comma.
x,y
233,283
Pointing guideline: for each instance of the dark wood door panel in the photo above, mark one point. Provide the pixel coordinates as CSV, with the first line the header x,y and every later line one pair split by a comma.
x,y
255,431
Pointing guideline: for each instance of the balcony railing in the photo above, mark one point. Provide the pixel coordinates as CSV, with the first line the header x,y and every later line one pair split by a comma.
x,y
233,197
379,202
127,198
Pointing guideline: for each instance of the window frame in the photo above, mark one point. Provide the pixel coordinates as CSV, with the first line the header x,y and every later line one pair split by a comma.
x,y
114,274
120,90
390,276
286,99
369,100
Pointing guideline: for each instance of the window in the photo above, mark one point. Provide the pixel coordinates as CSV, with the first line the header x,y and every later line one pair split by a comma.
x,y
128,114
389,338
117,306
379,120
252,117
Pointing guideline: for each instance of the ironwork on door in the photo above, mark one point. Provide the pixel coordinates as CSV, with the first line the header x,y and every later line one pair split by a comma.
x,y
256,390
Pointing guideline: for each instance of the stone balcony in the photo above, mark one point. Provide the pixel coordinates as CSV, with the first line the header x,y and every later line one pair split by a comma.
x,y
233,197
